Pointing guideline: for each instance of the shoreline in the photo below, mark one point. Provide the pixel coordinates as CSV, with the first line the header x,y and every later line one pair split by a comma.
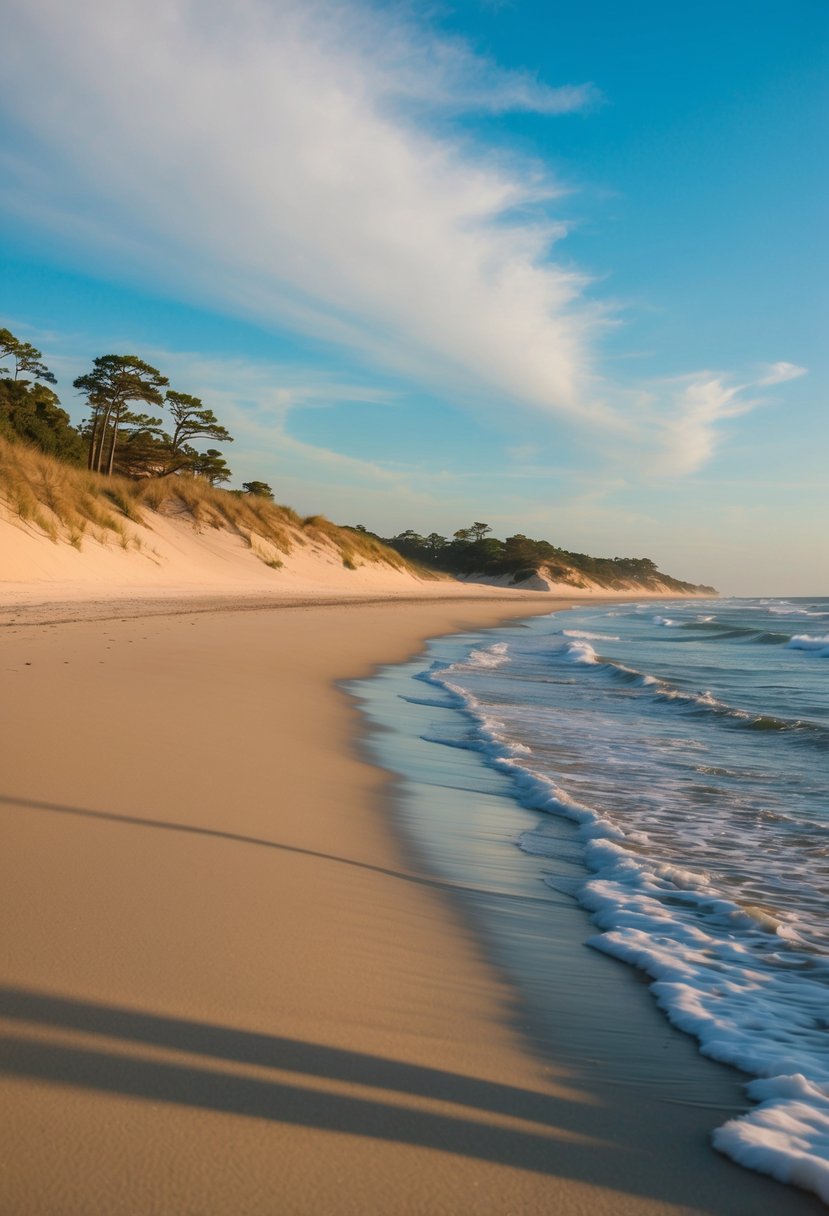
x,y
225,989
605,1020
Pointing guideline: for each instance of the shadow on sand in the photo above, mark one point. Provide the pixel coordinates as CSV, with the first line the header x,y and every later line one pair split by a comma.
x,y
572,1135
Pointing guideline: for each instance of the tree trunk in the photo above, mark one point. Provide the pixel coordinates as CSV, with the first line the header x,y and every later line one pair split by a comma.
x,y
99,455
100,432
111,461
90,462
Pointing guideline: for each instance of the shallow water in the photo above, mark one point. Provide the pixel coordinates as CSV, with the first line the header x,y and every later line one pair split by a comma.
x,y
680,753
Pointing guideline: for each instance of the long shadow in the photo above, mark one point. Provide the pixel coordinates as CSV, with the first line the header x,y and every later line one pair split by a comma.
x,y
191,829
273,1051
279,1102
556,1145
571,1139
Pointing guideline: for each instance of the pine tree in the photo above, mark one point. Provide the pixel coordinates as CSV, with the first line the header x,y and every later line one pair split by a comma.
x,y
115,381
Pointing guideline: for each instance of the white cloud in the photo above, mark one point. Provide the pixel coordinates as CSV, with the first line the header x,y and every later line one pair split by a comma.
x,y
779,373
293,161
684,414
441,72
689,434
281,159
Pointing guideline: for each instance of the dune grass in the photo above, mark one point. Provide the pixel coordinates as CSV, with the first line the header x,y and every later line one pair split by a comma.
x,y
355,547
69,504
59,499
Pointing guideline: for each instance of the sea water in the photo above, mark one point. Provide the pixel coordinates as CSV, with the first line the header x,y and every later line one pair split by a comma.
x,y
687,745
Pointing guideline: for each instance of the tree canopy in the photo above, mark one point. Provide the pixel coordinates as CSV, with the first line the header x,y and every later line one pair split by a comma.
x,y
32,412
26,358
473,550
211,465
259,489
115,381
115,437
193,420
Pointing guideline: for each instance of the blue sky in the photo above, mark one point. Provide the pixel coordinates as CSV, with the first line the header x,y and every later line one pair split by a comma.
x,y
561,268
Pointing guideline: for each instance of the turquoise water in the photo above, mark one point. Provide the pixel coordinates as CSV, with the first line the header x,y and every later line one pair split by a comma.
x,y
680,752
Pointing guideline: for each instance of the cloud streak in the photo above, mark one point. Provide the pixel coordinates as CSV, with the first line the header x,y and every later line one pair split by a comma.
x,y
779,373
281,160
295,162
684,415
690,436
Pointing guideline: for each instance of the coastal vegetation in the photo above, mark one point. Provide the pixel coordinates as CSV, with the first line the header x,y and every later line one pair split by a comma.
x,y
475,551
114,438
93,480
67,502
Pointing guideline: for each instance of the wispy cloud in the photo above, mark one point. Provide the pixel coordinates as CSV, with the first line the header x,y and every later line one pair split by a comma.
x,y
442,72
779,373
296,162
686,414
281,160
691,432
671,428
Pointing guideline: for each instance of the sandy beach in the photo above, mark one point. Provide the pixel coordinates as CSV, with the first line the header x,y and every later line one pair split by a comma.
x,y
227,987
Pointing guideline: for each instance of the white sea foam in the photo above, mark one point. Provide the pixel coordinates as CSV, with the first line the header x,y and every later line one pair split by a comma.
x,y
590,637
736,976
714,976
786,1136
705,848
706,699
667,621
489,656
818,646
579,651
797,612
666,692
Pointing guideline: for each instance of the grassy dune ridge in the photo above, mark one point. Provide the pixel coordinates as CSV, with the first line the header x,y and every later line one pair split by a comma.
x,y
72,505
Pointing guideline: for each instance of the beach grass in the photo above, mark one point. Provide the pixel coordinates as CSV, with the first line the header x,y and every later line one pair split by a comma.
x,y
69,504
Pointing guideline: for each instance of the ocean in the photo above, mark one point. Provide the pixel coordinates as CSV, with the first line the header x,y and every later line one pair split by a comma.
x,y
665,768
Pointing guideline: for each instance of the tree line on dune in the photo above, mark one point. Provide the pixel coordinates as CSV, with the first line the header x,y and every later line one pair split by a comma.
x,y
116,437
474,550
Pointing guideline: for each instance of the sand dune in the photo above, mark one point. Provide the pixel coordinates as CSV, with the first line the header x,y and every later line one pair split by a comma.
x,y
170,557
